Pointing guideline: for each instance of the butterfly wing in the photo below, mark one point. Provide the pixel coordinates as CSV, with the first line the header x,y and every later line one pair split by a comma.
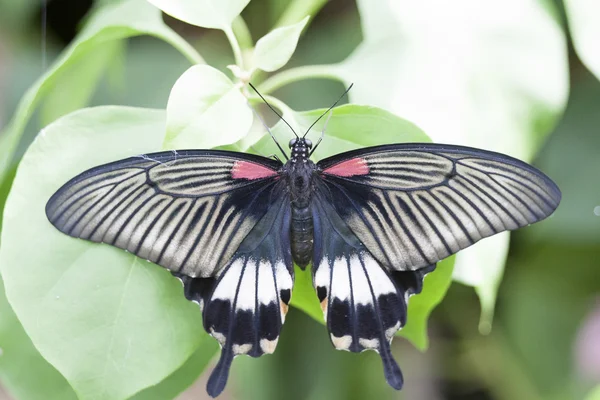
x,y
244,307
187,211
415,204
364,304
220,221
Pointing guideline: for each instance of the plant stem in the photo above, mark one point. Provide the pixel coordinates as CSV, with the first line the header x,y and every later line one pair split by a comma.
x,y
298,9
235,46
295,74
183,46
242,33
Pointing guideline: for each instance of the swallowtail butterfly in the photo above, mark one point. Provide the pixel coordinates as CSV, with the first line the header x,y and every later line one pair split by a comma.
x,y
372,222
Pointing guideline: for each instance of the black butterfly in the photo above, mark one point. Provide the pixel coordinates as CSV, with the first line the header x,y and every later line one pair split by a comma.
x,y
373,222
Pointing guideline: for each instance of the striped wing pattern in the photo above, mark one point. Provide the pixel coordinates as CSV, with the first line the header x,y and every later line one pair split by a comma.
x,y
415,204
187,211
364,304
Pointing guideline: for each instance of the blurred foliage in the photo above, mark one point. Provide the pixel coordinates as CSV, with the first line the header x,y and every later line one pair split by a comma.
x,y
491,75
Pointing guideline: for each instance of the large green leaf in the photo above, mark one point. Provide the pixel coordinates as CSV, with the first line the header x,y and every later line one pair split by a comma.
x,y
351,127
23,371
200,110
77,82
185,376
111,323
28,376
470,73
205,13
112,22
584,17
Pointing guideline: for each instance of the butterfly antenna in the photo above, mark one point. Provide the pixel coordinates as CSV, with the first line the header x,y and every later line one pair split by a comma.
x,y
322,134
329,109
273,109
269,130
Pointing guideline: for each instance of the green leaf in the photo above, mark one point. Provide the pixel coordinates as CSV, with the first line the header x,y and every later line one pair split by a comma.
x,y
205,13
468,74
77,82
583,23
275,49
482,266
23,371
420,306
354,126
112,22
185,376
205,109
111,323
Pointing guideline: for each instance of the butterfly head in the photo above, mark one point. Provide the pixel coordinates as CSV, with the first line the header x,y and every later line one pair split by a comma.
x,y
300,148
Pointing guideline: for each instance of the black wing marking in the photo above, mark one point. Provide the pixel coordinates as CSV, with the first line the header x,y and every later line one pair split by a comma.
x,y
364,305
187,211
415,204
245,306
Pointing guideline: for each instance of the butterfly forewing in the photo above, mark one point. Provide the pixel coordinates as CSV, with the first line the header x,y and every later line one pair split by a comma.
x,y
413,205
187,211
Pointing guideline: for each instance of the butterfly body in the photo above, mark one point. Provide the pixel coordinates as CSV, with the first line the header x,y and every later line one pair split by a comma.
x,y
299,171
372,222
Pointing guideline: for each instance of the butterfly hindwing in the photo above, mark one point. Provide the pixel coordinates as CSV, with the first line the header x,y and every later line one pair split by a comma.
x,y
187,211
364,304
413,205
245,305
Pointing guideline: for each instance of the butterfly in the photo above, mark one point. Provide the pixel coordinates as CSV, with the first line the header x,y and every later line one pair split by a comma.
x,y
372,222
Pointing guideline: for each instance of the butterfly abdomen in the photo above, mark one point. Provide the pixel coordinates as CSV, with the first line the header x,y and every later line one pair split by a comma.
x,y
302,235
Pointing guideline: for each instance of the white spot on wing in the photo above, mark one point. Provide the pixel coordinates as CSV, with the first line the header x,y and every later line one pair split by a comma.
x,y
246,298
340,280
219,336
380,281
268,346
266,284
225,290
241,348
390,332
360,285
369,343
284,279
322,275
341,343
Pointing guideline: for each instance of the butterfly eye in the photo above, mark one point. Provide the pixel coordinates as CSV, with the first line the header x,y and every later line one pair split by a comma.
x,y
308,143
292,142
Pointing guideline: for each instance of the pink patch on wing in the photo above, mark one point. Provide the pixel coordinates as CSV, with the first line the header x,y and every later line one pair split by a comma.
x,y
250,170
352,167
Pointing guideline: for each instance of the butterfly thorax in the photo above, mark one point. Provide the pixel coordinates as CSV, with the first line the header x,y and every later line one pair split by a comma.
x,y
300,171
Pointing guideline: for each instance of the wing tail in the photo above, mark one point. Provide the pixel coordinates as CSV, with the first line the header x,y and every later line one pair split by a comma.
x,y
218,378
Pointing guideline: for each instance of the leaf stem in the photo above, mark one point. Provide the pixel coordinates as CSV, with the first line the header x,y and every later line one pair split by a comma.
x,y
242,33
299,9
235,46
183,46
296,74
